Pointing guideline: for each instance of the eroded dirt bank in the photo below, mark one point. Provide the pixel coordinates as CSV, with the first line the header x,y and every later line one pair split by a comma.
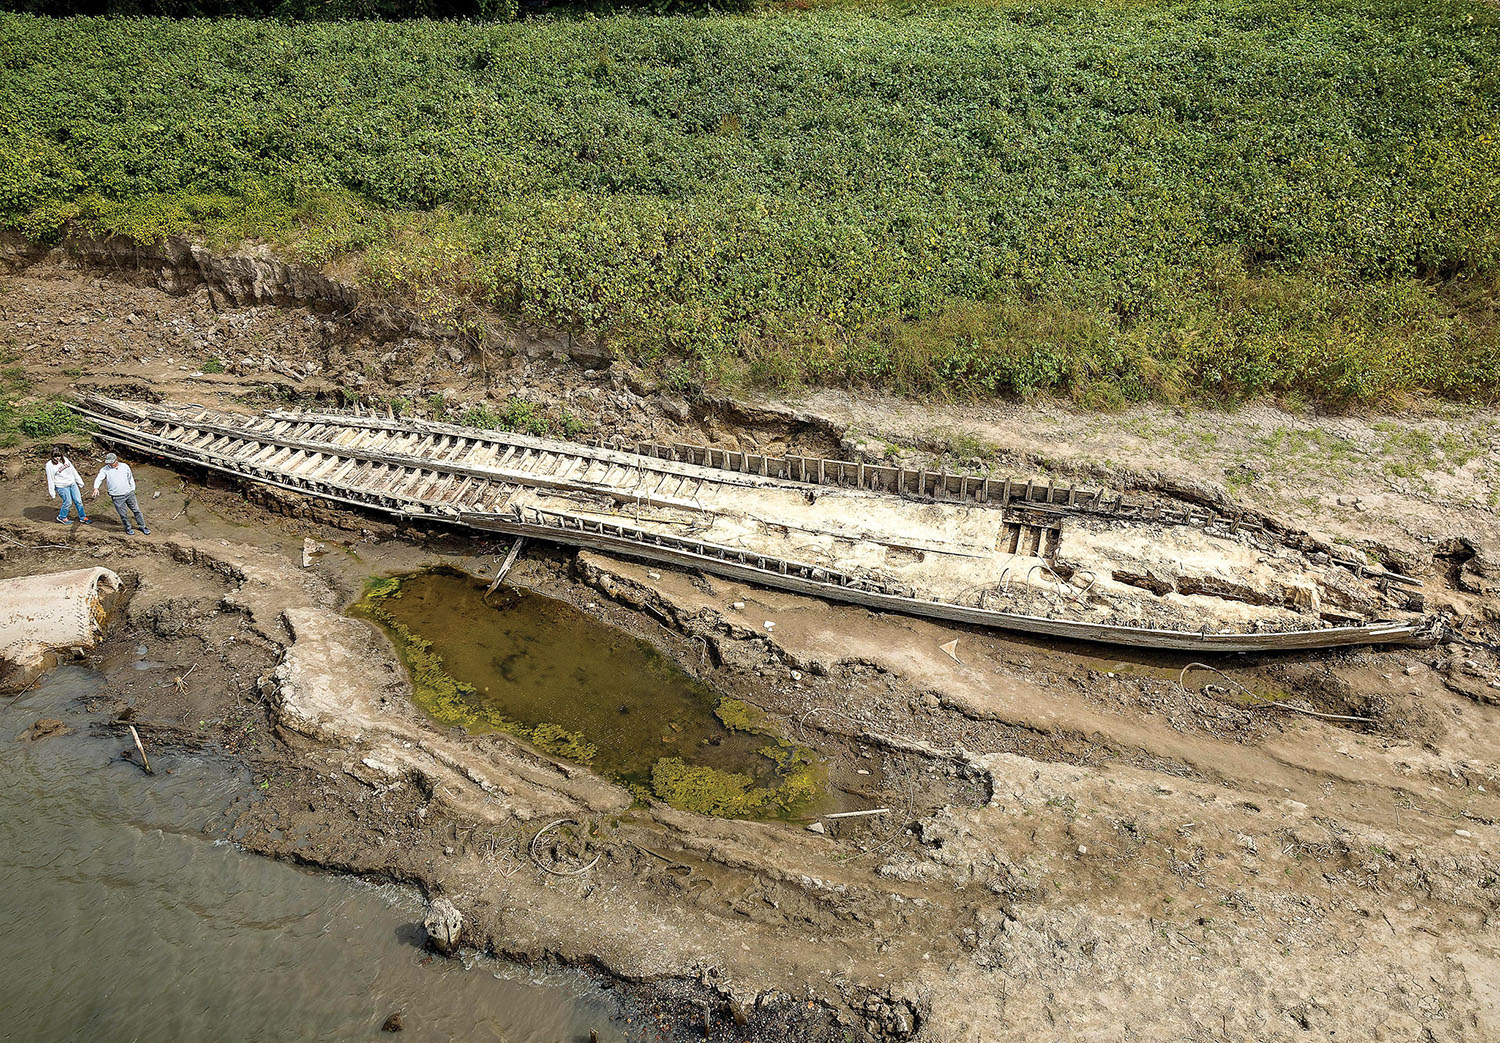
x,y
1079,845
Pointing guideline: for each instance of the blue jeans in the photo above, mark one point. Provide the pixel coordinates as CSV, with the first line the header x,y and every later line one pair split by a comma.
x,y
71,497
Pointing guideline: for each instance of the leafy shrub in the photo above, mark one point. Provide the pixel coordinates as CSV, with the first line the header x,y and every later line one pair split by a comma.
x,y
522,415
48,420
1115,202
296,10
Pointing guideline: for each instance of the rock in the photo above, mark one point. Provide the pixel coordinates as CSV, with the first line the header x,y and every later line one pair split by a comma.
x,y
44,728
640,382
817,827
394,1023
444,925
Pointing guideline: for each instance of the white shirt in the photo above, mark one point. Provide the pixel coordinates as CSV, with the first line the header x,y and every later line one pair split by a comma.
x,y
60,476
117,480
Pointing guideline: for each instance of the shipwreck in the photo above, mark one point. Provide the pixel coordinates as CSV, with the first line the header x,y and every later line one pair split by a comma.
x,y
1062,561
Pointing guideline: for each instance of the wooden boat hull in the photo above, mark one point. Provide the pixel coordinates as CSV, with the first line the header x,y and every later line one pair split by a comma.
x,y
302,453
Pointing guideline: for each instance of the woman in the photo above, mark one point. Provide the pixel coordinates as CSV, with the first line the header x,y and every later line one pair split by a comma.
x,y
63,480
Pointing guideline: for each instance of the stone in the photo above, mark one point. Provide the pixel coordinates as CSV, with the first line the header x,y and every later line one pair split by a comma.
x,y
444,925
44,728
817,827
675,407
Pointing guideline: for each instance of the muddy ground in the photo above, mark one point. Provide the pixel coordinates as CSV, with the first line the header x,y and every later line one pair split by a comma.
x,y
1083,843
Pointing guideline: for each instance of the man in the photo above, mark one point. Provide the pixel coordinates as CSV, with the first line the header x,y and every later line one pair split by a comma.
x,y
118,479
63,480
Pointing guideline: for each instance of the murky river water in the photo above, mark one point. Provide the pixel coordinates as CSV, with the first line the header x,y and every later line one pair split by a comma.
x,y
119,921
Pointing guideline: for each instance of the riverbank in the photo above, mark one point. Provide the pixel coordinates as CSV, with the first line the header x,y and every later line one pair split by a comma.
x,y
1083,842
965,199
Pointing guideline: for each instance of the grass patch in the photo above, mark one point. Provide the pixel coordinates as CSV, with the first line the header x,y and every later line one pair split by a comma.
x,y
24,418
1113,202
521,415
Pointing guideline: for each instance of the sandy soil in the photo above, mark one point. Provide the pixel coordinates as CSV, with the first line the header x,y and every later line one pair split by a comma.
x,y
1083,843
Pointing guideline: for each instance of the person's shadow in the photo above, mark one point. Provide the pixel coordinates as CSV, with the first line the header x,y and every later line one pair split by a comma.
x,y
43,513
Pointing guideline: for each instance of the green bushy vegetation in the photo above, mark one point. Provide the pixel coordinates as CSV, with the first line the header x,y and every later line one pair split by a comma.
x,y
26,417
301,10
1113,201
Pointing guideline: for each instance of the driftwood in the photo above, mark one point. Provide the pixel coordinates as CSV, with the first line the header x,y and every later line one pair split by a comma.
x,y
145,761
548,869
505,567
858,814
1272,704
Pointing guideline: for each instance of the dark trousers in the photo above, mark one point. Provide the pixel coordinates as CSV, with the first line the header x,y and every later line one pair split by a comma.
x,y
126,506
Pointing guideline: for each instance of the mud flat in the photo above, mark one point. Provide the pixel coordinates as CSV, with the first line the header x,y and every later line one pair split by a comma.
x,y
1080,844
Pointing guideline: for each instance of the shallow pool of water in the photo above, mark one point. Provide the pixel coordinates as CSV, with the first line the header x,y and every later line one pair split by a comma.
x,y
541,661
120,921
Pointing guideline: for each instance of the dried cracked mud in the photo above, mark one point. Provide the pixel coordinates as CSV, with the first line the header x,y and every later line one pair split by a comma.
x,y
1082,843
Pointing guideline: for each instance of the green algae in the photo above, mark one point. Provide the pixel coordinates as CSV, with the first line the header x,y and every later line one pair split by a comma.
x,y
740,716
382,587
451,702
558,679
730,794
